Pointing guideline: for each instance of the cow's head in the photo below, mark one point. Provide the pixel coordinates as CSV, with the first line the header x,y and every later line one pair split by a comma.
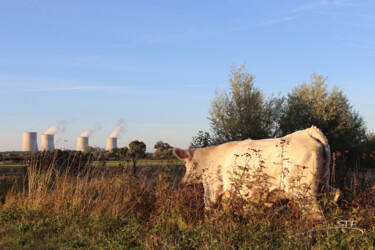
x,y
193,174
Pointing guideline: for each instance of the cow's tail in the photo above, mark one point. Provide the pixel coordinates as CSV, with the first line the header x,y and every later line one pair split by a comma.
x,y
315,133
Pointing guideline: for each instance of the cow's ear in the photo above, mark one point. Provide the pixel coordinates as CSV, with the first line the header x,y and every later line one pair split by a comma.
x,y
180,153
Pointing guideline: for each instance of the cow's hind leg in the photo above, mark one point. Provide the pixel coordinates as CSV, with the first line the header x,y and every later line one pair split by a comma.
x,y
311,205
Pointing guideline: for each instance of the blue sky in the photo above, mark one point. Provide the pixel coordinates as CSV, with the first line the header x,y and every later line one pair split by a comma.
x,y
156,64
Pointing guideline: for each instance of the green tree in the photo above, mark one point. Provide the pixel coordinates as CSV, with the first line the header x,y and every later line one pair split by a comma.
x,y
123,152
113,154
163,151
136,151
367,159
88,150
96,152
243,112
314,104
203,139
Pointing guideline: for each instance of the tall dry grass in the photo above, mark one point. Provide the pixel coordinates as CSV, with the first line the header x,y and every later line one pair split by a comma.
x,y
70,202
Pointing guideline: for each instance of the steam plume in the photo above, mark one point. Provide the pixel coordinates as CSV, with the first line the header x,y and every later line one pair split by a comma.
x,y
53,129
88,132
119,129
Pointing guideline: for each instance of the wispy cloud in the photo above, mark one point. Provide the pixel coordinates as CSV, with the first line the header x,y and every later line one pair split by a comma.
x,y
245,27
348,14
322,3
103,88
79,88
311,5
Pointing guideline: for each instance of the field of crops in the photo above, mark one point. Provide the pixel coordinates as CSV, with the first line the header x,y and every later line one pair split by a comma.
x,y
58,207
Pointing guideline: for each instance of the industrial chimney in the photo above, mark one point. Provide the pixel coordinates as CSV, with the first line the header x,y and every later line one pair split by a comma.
x,y
111,143
29,142
47,143
82,142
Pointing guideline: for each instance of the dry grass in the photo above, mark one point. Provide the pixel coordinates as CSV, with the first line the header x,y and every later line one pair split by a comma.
x,y
68,203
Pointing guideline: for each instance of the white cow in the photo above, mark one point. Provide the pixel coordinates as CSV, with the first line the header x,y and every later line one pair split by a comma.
x,y
296,165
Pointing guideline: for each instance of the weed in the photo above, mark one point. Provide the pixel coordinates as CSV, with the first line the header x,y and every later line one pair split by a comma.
x,y
72,202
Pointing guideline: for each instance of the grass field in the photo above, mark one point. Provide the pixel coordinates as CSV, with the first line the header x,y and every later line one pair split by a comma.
x,y
61,208
145,162
7,166
140,163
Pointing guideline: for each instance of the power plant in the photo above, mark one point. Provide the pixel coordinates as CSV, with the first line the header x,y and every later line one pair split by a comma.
x,y
111,143
82,142
29,142
47,143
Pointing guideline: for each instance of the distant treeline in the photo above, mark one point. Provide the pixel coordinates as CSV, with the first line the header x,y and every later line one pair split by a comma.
x,y
134,151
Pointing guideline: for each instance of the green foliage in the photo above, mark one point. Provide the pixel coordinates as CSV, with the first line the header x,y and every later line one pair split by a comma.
x,y
123,152
14,156
367,148
136,150
95,152
147,163
88,150
243,112
163,151
113,154
313,104
203,139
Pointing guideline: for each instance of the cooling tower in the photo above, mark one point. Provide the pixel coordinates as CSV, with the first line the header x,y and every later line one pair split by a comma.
x,y
29,142
47,143
111,143
82,142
